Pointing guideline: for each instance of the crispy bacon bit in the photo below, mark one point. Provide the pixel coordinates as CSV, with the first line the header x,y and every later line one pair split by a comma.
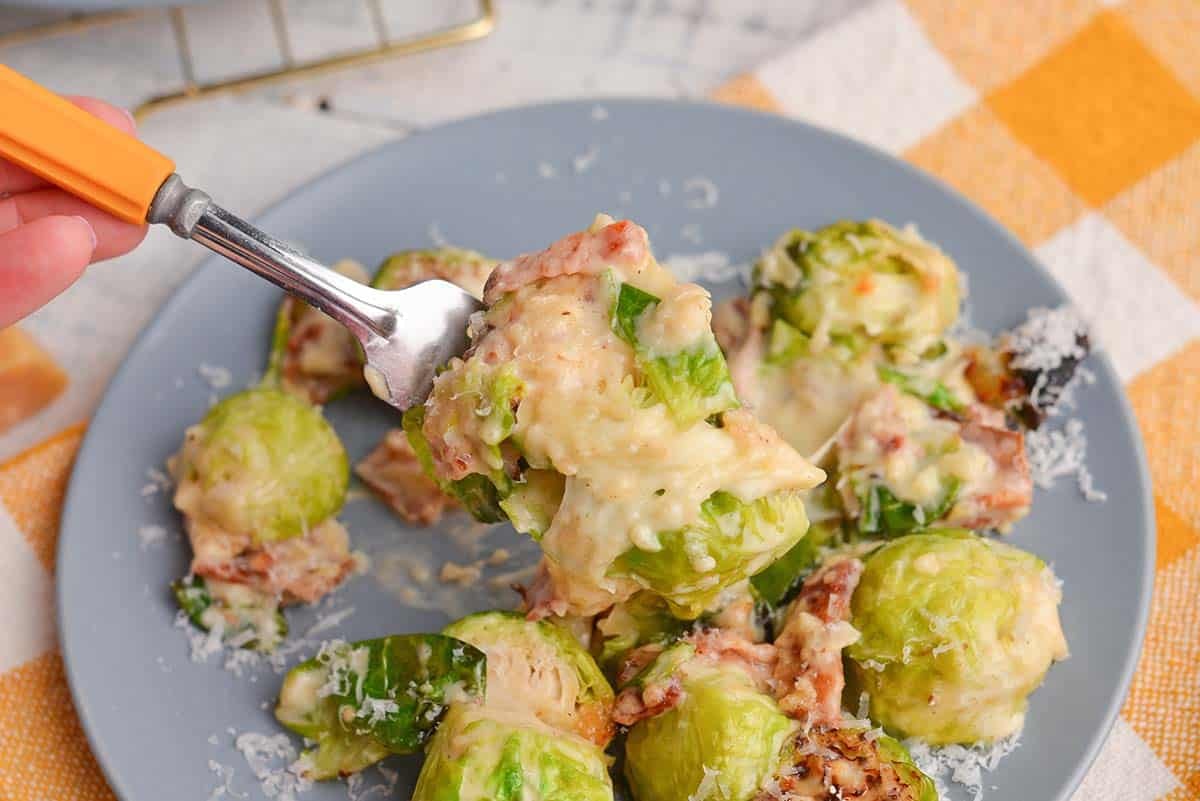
x,y
834,765
619,244
638,703
757,659
1008,493
297,570
393,472
809,673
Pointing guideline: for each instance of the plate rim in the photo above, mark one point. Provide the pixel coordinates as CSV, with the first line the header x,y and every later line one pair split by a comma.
x,y
1144,481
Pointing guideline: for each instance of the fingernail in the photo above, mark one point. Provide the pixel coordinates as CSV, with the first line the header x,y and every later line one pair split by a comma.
x,y
90,229
129,116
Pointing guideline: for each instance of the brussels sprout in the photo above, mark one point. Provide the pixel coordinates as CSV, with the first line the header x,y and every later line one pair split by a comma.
x,y
266,464
312,356
246,619
731,540
721,740
693,382
541,669
957,631
848,762
643,619
476,756
476,492
466,268
855,283
362,701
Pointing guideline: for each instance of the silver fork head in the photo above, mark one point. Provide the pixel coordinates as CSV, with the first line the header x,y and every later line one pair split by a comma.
x,y
431,323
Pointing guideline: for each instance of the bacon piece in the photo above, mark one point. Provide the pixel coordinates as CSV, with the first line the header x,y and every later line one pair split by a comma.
x,y
809,674
393,472
1008,493
621,244
297,570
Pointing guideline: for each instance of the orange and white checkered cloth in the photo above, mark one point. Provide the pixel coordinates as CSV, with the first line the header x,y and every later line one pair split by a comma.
x,y
1077,124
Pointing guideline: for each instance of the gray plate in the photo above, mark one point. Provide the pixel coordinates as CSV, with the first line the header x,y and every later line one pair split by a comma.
x,y
150,712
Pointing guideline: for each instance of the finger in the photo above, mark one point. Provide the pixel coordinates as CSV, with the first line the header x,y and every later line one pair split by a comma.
x,y
114,236
14,179
40,260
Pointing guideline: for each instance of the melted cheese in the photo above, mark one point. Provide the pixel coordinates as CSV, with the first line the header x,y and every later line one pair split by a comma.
x,y
630,470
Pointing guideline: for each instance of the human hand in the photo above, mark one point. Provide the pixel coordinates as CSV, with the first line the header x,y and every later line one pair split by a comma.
x,y
48,237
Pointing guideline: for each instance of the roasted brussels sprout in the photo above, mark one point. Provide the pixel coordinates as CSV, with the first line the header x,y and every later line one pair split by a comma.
x,y
262,463
541,729
956,632
476,756
540,669
590,358
362,701
720,736
844,763
312,355
1030,369
855,284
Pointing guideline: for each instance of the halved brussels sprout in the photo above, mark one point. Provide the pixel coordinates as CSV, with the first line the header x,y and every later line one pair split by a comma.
x,y
478,756
312,356
730,540
265,464
539,669
362,701
848,762
721,740
856,283
956,632
247,619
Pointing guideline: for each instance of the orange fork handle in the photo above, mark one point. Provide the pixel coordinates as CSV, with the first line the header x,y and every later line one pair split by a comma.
x,y
63,144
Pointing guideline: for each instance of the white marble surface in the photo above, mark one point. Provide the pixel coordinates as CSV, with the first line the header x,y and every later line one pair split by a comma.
x,y
250,150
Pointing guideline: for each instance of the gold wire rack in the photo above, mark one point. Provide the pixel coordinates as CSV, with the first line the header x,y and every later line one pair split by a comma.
x,y
384,47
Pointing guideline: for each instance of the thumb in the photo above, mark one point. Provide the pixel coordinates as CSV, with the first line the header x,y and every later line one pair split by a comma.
x,y
40,259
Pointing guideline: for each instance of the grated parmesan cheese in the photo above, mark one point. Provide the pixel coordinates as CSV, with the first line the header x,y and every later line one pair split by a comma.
x,y
1054,453
272,760
546,170
701,193
708,786
151,535
385,788
959,764
225,776
216,377
710,265
1047,338
692,233
584,161
599,113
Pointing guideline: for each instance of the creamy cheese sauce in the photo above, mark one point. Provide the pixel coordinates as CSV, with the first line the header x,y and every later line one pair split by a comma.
x,y
630,470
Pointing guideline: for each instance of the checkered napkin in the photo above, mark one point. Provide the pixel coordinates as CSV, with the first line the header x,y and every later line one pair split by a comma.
x,y
1077,125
